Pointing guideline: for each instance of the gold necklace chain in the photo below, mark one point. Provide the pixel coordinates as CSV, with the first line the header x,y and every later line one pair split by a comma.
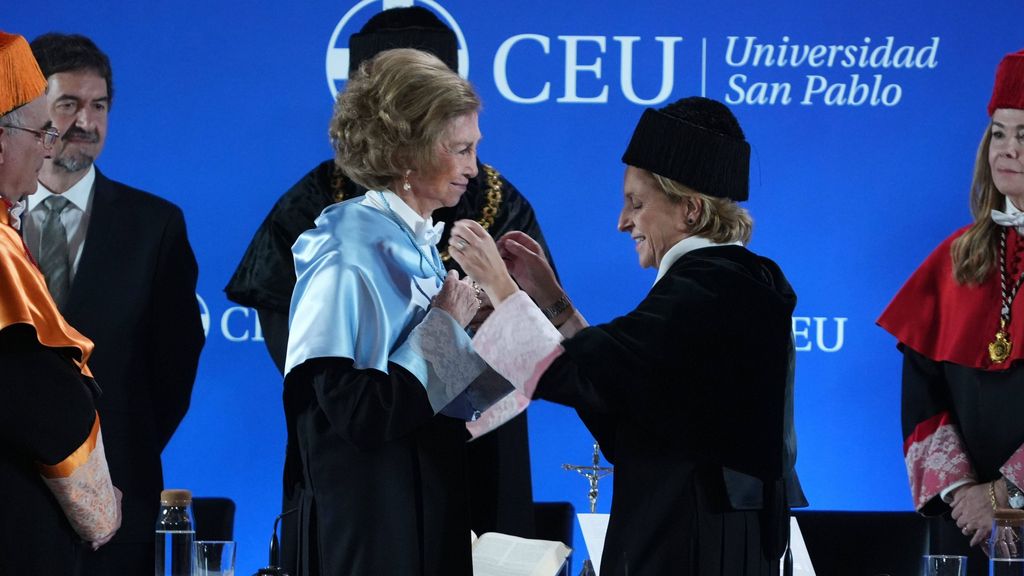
x,y
1001,346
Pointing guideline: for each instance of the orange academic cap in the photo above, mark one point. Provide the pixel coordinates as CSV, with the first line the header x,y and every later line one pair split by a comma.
x,y
21,81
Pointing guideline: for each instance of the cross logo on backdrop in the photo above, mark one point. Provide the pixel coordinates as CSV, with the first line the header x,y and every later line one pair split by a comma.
x,y
337,49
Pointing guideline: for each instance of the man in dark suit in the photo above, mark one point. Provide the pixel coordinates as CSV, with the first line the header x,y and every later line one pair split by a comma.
x,y
118,263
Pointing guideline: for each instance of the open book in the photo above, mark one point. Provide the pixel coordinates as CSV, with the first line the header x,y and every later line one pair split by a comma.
x,y
496,554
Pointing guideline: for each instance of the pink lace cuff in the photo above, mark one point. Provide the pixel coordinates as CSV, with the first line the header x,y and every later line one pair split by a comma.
x,y
499,413
518,342
81,484
935,459
1013,469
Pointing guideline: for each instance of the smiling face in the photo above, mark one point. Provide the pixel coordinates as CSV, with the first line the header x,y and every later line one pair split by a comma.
x,y
455,167
78,103
652,220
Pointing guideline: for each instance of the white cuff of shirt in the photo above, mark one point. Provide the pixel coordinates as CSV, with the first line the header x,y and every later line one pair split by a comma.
x,y
947,492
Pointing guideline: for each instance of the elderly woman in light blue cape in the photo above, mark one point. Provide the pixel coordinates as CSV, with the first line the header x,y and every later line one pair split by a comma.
x,y
381,379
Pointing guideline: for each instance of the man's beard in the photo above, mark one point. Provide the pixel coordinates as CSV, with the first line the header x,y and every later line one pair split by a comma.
x,y
72,162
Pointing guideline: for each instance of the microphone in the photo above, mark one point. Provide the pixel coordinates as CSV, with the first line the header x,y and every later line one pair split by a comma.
x,y
272,568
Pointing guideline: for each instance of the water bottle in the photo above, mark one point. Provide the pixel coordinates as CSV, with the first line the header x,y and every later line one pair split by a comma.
x,y
175,533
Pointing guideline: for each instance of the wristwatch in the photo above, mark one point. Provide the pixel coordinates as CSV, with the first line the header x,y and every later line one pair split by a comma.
x,y
1014,494
560,305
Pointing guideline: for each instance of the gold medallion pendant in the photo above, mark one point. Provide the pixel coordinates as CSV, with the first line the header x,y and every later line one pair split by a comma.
x,y
999,349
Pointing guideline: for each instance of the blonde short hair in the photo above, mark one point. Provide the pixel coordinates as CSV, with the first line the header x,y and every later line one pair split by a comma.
x,y
721,220
393,112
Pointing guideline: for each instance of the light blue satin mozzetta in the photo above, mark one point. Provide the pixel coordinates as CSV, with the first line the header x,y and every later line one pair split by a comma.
x,y
360,288
363,291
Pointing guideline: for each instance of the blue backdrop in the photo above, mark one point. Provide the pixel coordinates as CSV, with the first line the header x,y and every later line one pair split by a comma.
x,y
864,118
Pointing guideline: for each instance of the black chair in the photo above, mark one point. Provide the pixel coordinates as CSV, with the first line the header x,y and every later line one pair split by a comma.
x,y
556,521
864,543
215,518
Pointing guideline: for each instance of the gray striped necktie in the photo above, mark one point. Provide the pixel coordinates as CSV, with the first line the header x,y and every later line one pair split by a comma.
x,y
53,252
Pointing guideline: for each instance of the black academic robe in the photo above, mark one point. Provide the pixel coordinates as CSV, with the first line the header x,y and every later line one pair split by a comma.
x,y
390,486
41,420
685,393
501,490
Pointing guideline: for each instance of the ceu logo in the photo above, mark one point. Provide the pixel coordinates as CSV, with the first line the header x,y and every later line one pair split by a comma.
x,y
234,323
204,314
819,333
338,53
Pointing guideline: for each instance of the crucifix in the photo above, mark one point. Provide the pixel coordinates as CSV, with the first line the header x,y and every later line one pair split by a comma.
x,y
592,473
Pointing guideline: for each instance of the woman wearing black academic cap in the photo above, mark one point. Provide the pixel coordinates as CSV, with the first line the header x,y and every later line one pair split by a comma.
x,y
689,394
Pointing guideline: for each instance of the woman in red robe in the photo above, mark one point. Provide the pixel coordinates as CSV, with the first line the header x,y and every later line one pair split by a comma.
x,y
961,330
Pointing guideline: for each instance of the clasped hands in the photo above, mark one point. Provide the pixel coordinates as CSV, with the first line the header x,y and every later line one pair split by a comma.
x,y
972,510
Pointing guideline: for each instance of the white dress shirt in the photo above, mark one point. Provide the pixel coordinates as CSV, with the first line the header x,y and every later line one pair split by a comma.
x,y
75,217
425,233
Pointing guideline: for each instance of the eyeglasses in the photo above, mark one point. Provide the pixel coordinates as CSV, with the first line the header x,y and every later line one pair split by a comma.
x,y
47,137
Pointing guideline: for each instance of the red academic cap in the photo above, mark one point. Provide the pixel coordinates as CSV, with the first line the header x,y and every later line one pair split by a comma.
x,y
1009,89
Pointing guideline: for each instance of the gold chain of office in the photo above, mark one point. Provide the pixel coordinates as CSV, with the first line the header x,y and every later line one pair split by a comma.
x,y
487,214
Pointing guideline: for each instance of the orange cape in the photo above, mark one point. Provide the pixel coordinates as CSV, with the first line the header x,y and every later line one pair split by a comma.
x,y
24,299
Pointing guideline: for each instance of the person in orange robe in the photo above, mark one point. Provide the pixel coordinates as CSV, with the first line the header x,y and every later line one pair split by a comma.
x,y
55,489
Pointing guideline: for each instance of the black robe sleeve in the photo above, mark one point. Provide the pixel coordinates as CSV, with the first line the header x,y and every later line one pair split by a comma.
x,y
46,405
366,408
924,393
605,374
933,446
670,369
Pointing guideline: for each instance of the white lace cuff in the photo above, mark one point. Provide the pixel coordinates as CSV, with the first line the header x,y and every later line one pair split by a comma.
x,y
81,484
439,353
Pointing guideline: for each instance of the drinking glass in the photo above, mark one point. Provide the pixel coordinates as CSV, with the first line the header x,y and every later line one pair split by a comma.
x,y
941,565
213,558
